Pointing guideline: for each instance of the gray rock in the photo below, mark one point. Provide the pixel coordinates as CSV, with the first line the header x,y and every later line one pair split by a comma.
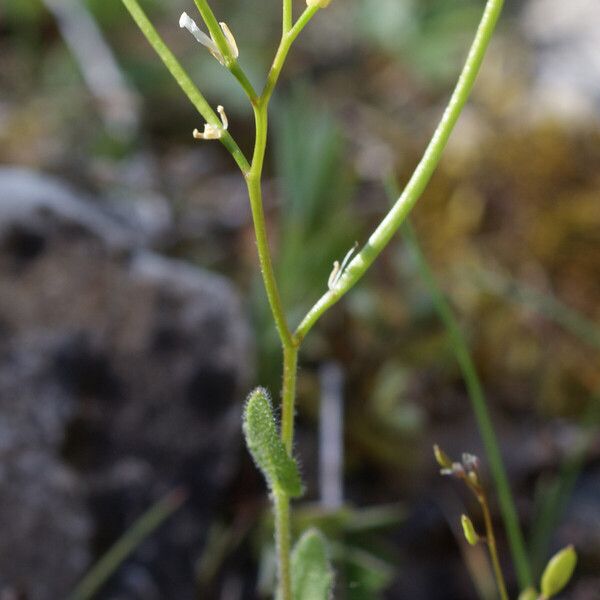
x,y
43,517
144,362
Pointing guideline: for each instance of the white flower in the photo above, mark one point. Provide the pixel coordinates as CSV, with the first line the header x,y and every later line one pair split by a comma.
x,y
338,270
186,22
213,132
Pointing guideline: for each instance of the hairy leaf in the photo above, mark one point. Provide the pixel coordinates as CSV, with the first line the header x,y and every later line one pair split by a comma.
x,y
312,576
267,450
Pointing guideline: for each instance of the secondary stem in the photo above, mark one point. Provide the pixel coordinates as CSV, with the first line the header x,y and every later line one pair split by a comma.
x,y
491,544
420,178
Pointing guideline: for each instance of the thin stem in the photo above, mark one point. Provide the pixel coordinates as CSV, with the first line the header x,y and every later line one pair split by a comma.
x,y
264,257
290,348
215,31
420,178
230,60
547,304
243,80
288,396
131,539
283,545
184,81
480,408
287,39
555,497
491,544
287,16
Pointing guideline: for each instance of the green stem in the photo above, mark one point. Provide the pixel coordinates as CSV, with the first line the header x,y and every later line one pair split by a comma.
x,y
287,16
264,257
548,305
288,396
554,497
482,415
492,548
131,539
290,347
184,81
281,506
287,39
420,178
216,33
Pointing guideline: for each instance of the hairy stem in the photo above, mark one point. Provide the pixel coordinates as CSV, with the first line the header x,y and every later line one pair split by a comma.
x,y
290,348
281,507
420,178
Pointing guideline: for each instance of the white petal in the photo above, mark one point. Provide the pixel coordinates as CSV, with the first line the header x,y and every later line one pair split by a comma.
x,y
186,22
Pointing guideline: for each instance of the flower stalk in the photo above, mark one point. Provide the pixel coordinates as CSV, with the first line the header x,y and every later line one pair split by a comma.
x,y
222,45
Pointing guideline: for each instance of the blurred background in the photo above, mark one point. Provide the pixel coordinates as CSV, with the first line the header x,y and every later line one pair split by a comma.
x,y
134,322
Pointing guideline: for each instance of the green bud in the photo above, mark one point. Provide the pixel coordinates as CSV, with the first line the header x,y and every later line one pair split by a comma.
x,y
317,3
529,594
442,458
558,571
469,530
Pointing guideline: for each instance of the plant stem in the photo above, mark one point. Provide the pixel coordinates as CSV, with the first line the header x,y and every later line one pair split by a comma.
x,y
287,39
287,16
184,81
281,508
124,546
216,33
545,303
253,182
420,178
482,415
290,368
491,544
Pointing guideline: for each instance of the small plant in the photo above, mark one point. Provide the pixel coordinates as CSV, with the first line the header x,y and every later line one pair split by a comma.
x,y
303,573
560,567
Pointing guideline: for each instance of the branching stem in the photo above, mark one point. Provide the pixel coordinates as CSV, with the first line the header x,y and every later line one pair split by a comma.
x,y
253,175
420,178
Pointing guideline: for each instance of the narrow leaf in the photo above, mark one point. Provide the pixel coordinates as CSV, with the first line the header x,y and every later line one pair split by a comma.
x,y
312,576
265,446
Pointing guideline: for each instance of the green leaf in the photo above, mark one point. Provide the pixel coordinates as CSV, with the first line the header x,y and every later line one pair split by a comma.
x,y
312,576
265,446
558,571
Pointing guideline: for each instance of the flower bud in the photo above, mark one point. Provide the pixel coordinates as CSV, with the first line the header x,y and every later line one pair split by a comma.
x,y
469,530
558,571
442,458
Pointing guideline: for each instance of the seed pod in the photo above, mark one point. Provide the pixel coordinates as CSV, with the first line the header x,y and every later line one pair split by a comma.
x,y
558,571
469,530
